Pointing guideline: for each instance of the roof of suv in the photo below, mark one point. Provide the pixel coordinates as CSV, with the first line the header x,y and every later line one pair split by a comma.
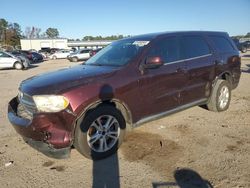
x,y
151,36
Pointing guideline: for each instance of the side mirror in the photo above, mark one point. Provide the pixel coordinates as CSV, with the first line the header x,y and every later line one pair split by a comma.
x,y
153,62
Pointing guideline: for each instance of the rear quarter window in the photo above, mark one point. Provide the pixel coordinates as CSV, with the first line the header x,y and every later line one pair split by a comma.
x,y
193,46
222,44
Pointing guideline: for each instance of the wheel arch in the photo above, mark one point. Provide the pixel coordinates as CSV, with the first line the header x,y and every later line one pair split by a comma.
x,y
121,106
226,75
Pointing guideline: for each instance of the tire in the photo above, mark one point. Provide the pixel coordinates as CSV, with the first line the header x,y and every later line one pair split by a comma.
x,y
243,49
18,66
90,136
54,57
221,96
74,59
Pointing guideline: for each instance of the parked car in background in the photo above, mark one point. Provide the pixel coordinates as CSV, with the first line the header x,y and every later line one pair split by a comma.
x,y
8,60
247,44
128,83
37,57
26,53
48,50
82,54
61,54
242,46
94,51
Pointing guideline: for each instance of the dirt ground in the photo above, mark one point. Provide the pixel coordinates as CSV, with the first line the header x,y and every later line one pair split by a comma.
x,y
193,148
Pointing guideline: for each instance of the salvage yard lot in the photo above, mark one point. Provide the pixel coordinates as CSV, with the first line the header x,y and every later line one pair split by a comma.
x,y
191,147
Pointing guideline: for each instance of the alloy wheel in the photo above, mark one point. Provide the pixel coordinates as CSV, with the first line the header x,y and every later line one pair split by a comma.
x,y
223,97
103,133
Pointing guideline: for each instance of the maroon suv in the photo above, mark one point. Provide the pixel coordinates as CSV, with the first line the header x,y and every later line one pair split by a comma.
x,y
130,82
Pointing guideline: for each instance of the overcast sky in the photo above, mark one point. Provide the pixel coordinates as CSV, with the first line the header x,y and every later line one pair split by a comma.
x,y
78,18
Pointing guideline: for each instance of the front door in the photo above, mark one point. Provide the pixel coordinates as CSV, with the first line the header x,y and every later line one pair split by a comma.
x,y
161,87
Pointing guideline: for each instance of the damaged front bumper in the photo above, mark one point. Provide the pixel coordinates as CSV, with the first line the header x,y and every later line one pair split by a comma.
x,y
48,150
44,132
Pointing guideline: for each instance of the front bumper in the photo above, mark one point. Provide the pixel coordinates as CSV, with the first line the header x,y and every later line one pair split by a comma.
x,y
46,133
47,150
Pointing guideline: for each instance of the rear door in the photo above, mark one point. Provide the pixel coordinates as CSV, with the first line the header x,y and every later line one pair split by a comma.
x,y
160,87
198,57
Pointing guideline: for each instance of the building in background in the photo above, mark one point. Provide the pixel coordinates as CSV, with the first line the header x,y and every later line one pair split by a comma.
x,y
38,44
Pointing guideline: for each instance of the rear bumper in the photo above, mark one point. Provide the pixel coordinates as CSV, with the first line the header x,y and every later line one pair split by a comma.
x,y
44,132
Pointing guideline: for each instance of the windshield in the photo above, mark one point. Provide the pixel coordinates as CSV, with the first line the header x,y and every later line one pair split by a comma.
x,y
118,53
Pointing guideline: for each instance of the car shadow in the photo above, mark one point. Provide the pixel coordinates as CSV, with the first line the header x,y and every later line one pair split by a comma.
x,y
106,171
185,178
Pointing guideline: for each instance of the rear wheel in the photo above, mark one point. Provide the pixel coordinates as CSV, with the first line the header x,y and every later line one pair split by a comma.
x,y
220,97
54,57
100,133
18,66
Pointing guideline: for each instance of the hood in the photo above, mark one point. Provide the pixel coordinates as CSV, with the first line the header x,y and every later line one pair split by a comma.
x,y
64,79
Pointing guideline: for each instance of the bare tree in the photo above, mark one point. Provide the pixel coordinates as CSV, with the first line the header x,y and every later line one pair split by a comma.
x,y
32,32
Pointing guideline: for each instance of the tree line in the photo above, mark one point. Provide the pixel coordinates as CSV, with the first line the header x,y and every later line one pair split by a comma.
x,y
11,33
112,37
242,36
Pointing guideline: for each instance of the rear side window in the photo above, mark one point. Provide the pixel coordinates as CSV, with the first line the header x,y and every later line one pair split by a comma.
x,y
167,49
222,44
193,46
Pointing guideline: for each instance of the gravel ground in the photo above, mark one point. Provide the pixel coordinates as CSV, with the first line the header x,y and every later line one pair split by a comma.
x,y
193,148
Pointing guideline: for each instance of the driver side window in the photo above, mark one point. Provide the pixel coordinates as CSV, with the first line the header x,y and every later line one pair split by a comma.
x,y
167,49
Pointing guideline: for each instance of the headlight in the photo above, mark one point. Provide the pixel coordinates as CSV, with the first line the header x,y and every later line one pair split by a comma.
x,y
50,103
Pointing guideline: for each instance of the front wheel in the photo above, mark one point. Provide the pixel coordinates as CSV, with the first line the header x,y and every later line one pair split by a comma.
x,y
220,97
18,66
100,133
